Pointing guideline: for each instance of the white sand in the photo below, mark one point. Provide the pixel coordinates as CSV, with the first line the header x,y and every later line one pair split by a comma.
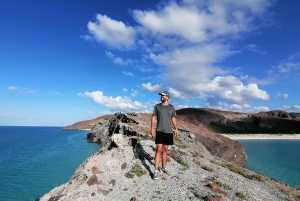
x,y
263,136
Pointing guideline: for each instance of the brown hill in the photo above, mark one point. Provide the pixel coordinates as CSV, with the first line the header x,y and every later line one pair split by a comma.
x,y
235,122
281,114
86,124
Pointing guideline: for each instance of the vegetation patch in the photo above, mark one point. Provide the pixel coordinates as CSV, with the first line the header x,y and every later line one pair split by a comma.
x,y
136,155
145,130
136,170
196,153
213,179
181,152
195,192
180,144
240,195
289,191
182,162
207,168
224,186
243,172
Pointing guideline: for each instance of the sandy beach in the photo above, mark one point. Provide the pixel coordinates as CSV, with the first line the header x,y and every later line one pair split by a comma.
x,y
263,136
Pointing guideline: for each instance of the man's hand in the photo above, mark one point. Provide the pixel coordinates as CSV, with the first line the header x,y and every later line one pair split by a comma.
x,y
176,133
152,132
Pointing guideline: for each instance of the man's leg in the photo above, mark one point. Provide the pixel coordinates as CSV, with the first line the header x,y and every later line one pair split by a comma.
x,y
159,149
164,156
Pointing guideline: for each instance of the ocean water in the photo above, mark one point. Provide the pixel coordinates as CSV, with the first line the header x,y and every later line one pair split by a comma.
x,y
278,159
34,160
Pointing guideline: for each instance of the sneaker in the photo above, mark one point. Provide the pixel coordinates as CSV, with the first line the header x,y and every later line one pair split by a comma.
x,y
156,174
164,170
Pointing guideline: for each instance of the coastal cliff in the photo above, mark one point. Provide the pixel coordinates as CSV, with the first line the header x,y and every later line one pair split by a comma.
x,y
203,166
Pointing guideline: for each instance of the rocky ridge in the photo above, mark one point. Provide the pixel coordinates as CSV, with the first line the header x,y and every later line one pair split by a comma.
x,y
122,168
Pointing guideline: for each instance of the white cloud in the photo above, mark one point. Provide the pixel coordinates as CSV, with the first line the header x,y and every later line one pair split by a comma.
x,y
291,64
152,88
87,37
285,96
128,73
21,89
200,21
282,95
117,103
112,32
175,93
288,108
12,88
286,67
9,114
254,48
125,90
134,93
188,40
261,109
119,60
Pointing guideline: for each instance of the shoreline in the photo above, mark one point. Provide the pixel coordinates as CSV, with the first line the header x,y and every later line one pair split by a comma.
x,y
262,136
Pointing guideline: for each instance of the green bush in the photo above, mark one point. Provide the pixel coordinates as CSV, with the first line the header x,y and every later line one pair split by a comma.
x,y
207,168
136,170
240,195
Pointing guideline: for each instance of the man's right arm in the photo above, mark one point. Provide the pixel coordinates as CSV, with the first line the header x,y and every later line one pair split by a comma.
x,y
152,129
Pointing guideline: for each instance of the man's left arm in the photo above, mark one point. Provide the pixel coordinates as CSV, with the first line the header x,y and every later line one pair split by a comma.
x,y
174,122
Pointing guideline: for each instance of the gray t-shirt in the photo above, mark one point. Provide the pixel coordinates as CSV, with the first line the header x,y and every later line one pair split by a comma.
x,y
164,115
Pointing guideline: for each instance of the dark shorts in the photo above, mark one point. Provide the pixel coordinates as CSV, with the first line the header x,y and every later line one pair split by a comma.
x,y
164,138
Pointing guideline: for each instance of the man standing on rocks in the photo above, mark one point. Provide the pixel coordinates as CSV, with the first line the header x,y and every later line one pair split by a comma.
x,y
164,114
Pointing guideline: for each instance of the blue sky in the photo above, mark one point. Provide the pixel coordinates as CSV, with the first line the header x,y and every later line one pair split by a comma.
x,y
66,61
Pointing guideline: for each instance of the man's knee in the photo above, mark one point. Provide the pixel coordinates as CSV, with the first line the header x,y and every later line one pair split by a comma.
x,y
159,149
165,148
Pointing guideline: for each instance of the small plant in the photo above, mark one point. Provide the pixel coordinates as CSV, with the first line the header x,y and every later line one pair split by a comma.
x,y
195,192
180,144
215,162
129,175
181,152
145,130
196,153
217,196
240,195
136,155
207,168
182,162
213,179
224,186
136,170
168,159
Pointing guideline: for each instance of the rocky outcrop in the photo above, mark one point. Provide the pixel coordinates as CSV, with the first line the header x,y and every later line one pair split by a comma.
x,y
197,136
122,168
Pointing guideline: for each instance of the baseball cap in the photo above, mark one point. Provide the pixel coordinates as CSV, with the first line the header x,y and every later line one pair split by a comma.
x,y
164,93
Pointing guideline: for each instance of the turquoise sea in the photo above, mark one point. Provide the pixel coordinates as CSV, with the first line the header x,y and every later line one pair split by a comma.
x,y
278,159
33,160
